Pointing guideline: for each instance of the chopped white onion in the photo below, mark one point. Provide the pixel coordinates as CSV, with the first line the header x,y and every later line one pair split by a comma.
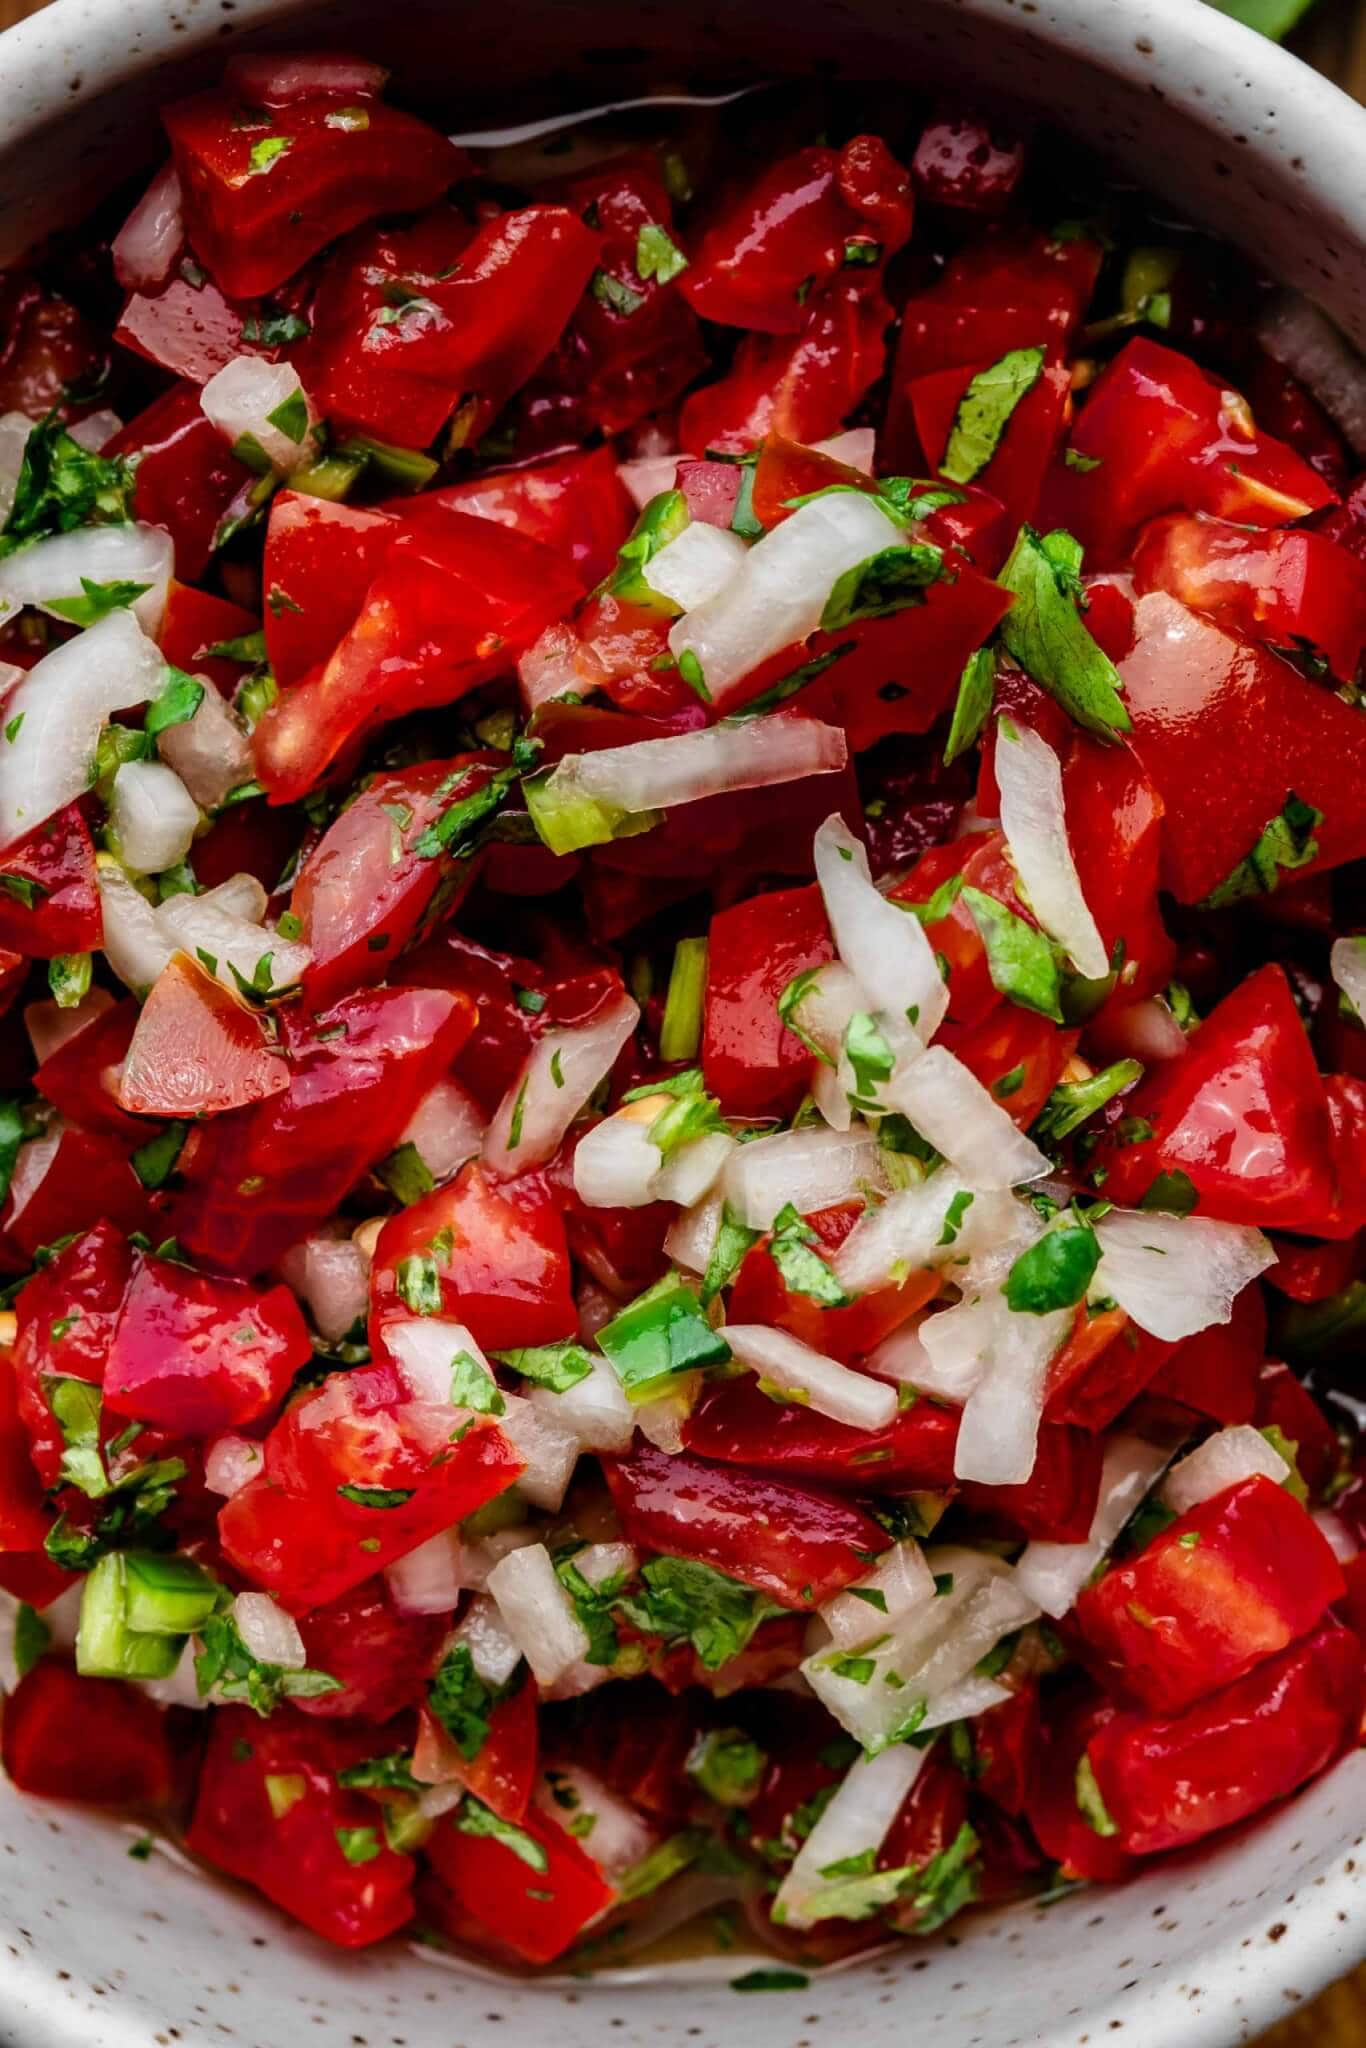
x,y
63,704
613,1832
428,1580
434,1801
550,667
243,400
855,1824
697,564
269,78
661,1421
810,1377
50,1027
50,573
1341,1540
901,1582
998,1436
1053,1574
615,1164
691,1237
884,948
493,1653
599,1562
854,447
908,1231
95,429
488,1551
906,1360
447,1128
211,752
199,925
153,816
425,1350
780,591
331,1276
948,1105
691,1170
655,774
134,943
240,896
559,1075
811,1168
595,1409
1175,1275
646,476
1034,821
229,1462
268,1633
1222,1460
549,1447
537,1613
145,248
1305,342
15,428
1348,963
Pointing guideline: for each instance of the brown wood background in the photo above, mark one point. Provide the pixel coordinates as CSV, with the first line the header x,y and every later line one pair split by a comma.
x,y
1334,39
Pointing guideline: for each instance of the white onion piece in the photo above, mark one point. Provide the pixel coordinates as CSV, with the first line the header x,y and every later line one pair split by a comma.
x,y
945,1354
537,1613
998,1436
488,1551
855,1824
778,595
615,1164
145,248
542,1106
1145,1031
810,1168
826,1004
902,1581
1340,1539
599,1562
493,1652
999,1227
31,1166
267,1632
1348,962
64,703
447,1128
808,1376
279,79
906,1233
50,1027
594,1410
211,752
548,1446
661,1421
854,447
685,767
199,925
948,1105
95,429
1175,1275
134,943
613,1832
240,398
1034,821
646,476
436,1800
697,564
1305,342
15,428
1053,1574
331,1276
596,1308
425,1350
692,1169
240,896
48,572
830,1094
428,1580
884,948
691,1237
1222,1460
153,816
229,1462
971,1696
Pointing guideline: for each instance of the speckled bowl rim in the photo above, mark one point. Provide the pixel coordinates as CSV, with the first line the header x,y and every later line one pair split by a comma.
x,y
1281,1942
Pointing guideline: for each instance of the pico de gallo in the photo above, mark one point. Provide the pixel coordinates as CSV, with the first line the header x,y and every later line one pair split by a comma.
x,y
683,967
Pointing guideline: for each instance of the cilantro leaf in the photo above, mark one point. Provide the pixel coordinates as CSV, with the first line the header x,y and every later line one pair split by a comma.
x,y
887,582
1287,842
984,412
1055,1272
972,707
98,601
1022,961
61,486
804,1271
683,1600
1047,635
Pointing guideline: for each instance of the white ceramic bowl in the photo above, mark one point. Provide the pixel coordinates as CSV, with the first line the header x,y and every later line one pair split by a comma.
x,y
97,1951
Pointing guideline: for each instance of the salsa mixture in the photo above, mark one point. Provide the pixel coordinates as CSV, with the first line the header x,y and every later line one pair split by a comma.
x,y
684,1124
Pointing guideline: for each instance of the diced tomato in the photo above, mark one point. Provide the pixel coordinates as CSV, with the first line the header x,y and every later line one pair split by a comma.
x,y
49,898
1183,1618
66,1320
796,1544
1347,1117
490,1062
25,1517
1284,1404
356,1475
199,1355
1057,1502
980,860
92,1739
537,1912
1169,1782
248,838
575,503
1016,1054
1242,1115
269,1810
735,1424
927,1823
1314,1272
194,621
47,350
320,559
1215,1371
500,1254
1070,1721
751,1061
189,329
197,1049
259,1178
262,192
1005,1747
186,477
968,162
760,1295
636,1737
81,1078
367,885
451,607
1017,464
1114,827
503,1771
382,1658
785,471
88,1175
1287,410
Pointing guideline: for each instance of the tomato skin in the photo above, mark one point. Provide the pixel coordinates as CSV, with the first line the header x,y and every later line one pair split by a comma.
x,y
47,348
86,1282
294,1533
190,330
320,558
366,886
1180,1620
194,621
91,1739
967,162
750,1060
1005,1743
794,1543
187,476
734,1424
197,1050
382,1657
1215,1371
1072,1717
1242,1113
1115,826
178,1358
503,1773
1168,1782
259,1179
1008,1039
81,1078
926,1824
1166,440
760,1295
507,1274
1058,1500
575,503
1315,1272
1280,587
58,857
536,1913
252,230
89,1176
295,1858
636,1737
25,1517
1016,468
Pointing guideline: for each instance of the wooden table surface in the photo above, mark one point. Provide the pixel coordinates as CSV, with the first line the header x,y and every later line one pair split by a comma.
x,y
1334,39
